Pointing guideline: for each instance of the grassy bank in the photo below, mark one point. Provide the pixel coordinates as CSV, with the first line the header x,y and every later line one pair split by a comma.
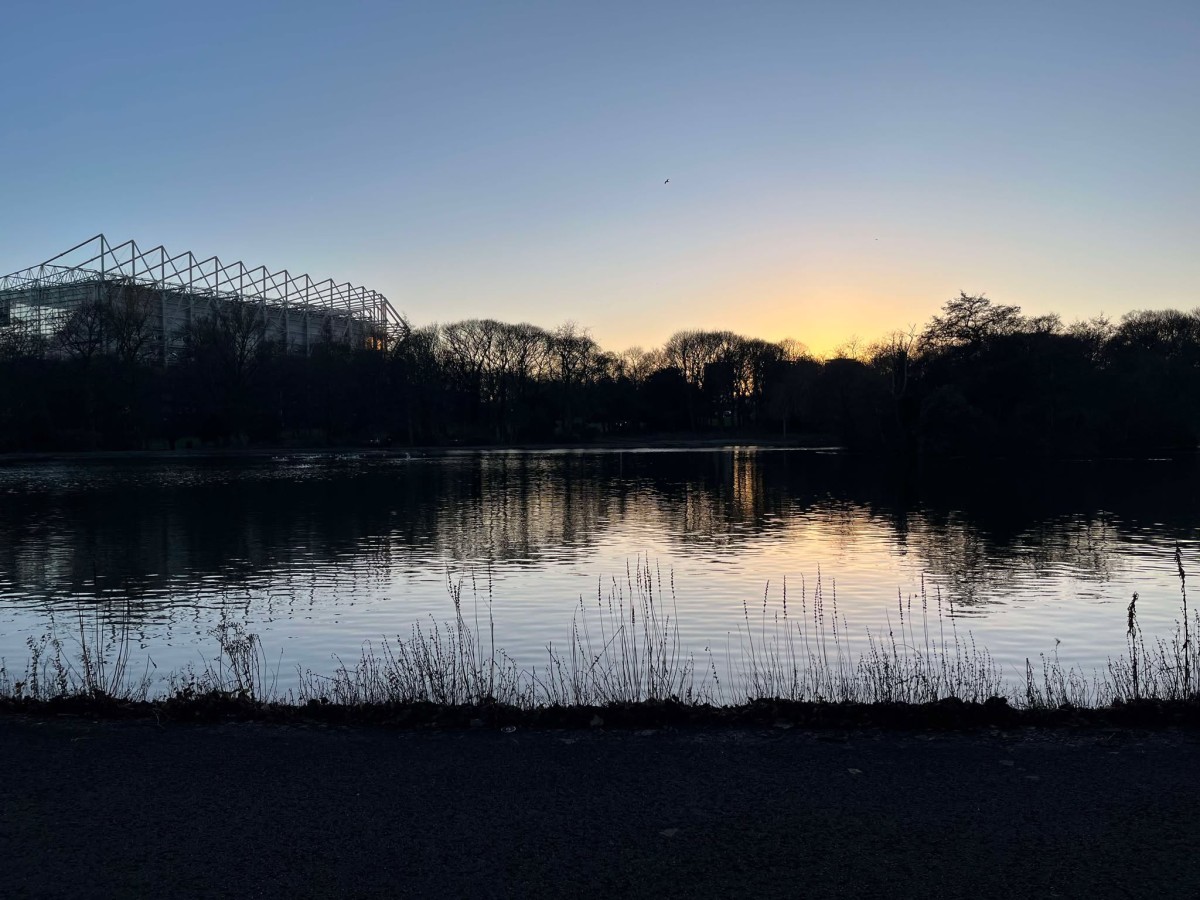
x,y
623,663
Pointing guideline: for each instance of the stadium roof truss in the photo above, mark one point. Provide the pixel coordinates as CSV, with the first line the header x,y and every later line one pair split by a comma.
x,y
296,309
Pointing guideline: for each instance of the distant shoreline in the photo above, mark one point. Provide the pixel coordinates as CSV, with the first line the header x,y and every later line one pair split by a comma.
x,y
367,451
652,442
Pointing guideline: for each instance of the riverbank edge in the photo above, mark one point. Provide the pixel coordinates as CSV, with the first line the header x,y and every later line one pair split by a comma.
x,y
942,715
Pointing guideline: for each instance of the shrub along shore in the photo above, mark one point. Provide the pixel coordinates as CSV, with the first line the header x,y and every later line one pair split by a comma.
x,y
624,666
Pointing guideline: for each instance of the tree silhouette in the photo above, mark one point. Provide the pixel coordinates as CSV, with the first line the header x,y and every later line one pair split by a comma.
x,y
978,379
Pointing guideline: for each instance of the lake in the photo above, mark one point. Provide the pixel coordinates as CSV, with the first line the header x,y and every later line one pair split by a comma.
x,y
321,553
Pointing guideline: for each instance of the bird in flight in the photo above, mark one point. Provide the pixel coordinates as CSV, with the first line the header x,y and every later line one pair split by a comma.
x,y
668,181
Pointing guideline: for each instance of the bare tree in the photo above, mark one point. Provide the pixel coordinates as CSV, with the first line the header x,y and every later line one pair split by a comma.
x,y
573,360
637,364
572,352
892,356
793,350
468,347
526,351
693,351
521,358
970,322
84,333
230,342
1170,333
851,348
130,324
1094,334
21,343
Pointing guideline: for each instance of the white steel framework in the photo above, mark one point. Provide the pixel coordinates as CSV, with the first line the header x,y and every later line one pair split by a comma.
x,y
180,289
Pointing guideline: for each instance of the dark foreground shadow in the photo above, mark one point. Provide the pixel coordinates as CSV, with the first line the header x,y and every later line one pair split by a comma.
x,y
119,809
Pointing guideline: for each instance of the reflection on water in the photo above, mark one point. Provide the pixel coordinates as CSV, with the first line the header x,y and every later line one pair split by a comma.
x,y
321,553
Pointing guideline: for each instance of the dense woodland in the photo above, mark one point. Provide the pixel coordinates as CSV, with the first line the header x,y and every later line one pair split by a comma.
x,y
980,378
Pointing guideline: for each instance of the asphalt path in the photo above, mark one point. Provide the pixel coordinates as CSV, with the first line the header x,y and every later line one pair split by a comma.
x,y
117,809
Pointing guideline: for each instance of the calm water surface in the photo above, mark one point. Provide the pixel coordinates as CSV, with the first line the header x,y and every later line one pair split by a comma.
x,y
319,554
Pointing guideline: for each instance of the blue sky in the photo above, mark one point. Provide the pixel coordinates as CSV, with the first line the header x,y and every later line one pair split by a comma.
x,y
836,168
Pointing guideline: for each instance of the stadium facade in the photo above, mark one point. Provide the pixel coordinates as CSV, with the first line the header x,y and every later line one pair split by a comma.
x,y
50,305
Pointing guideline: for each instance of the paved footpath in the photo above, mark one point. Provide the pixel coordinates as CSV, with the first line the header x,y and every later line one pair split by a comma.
x,y
139,810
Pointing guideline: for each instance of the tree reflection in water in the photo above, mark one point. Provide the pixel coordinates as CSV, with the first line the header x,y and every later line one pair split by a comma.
x,y
295,537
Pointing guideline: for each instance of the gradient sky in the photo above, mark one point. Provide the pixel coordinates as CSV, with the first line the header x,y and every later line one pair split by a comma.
x,y
836,169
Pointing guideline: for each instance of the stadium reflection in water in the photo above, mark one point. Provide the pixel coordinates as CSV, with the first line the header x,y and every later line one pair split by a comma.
x,y
320,553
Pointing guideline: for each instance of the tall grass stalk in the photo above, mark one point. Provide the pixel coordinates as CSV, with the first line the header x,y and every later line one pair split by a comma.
x,y
441,663
810,658
624,646
91,661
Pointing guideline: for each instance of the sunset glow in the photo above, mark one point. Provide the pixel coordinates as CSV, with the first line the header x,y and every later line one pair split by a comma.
x,y
833,171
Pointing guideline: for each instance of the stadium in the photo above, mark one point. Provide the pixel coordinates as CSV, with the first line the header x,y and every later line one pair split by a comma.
x,y
71,301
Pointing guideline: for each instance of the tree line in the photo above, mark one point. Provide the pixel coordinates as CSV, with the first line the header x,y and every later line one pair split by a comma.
x,y
978,378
